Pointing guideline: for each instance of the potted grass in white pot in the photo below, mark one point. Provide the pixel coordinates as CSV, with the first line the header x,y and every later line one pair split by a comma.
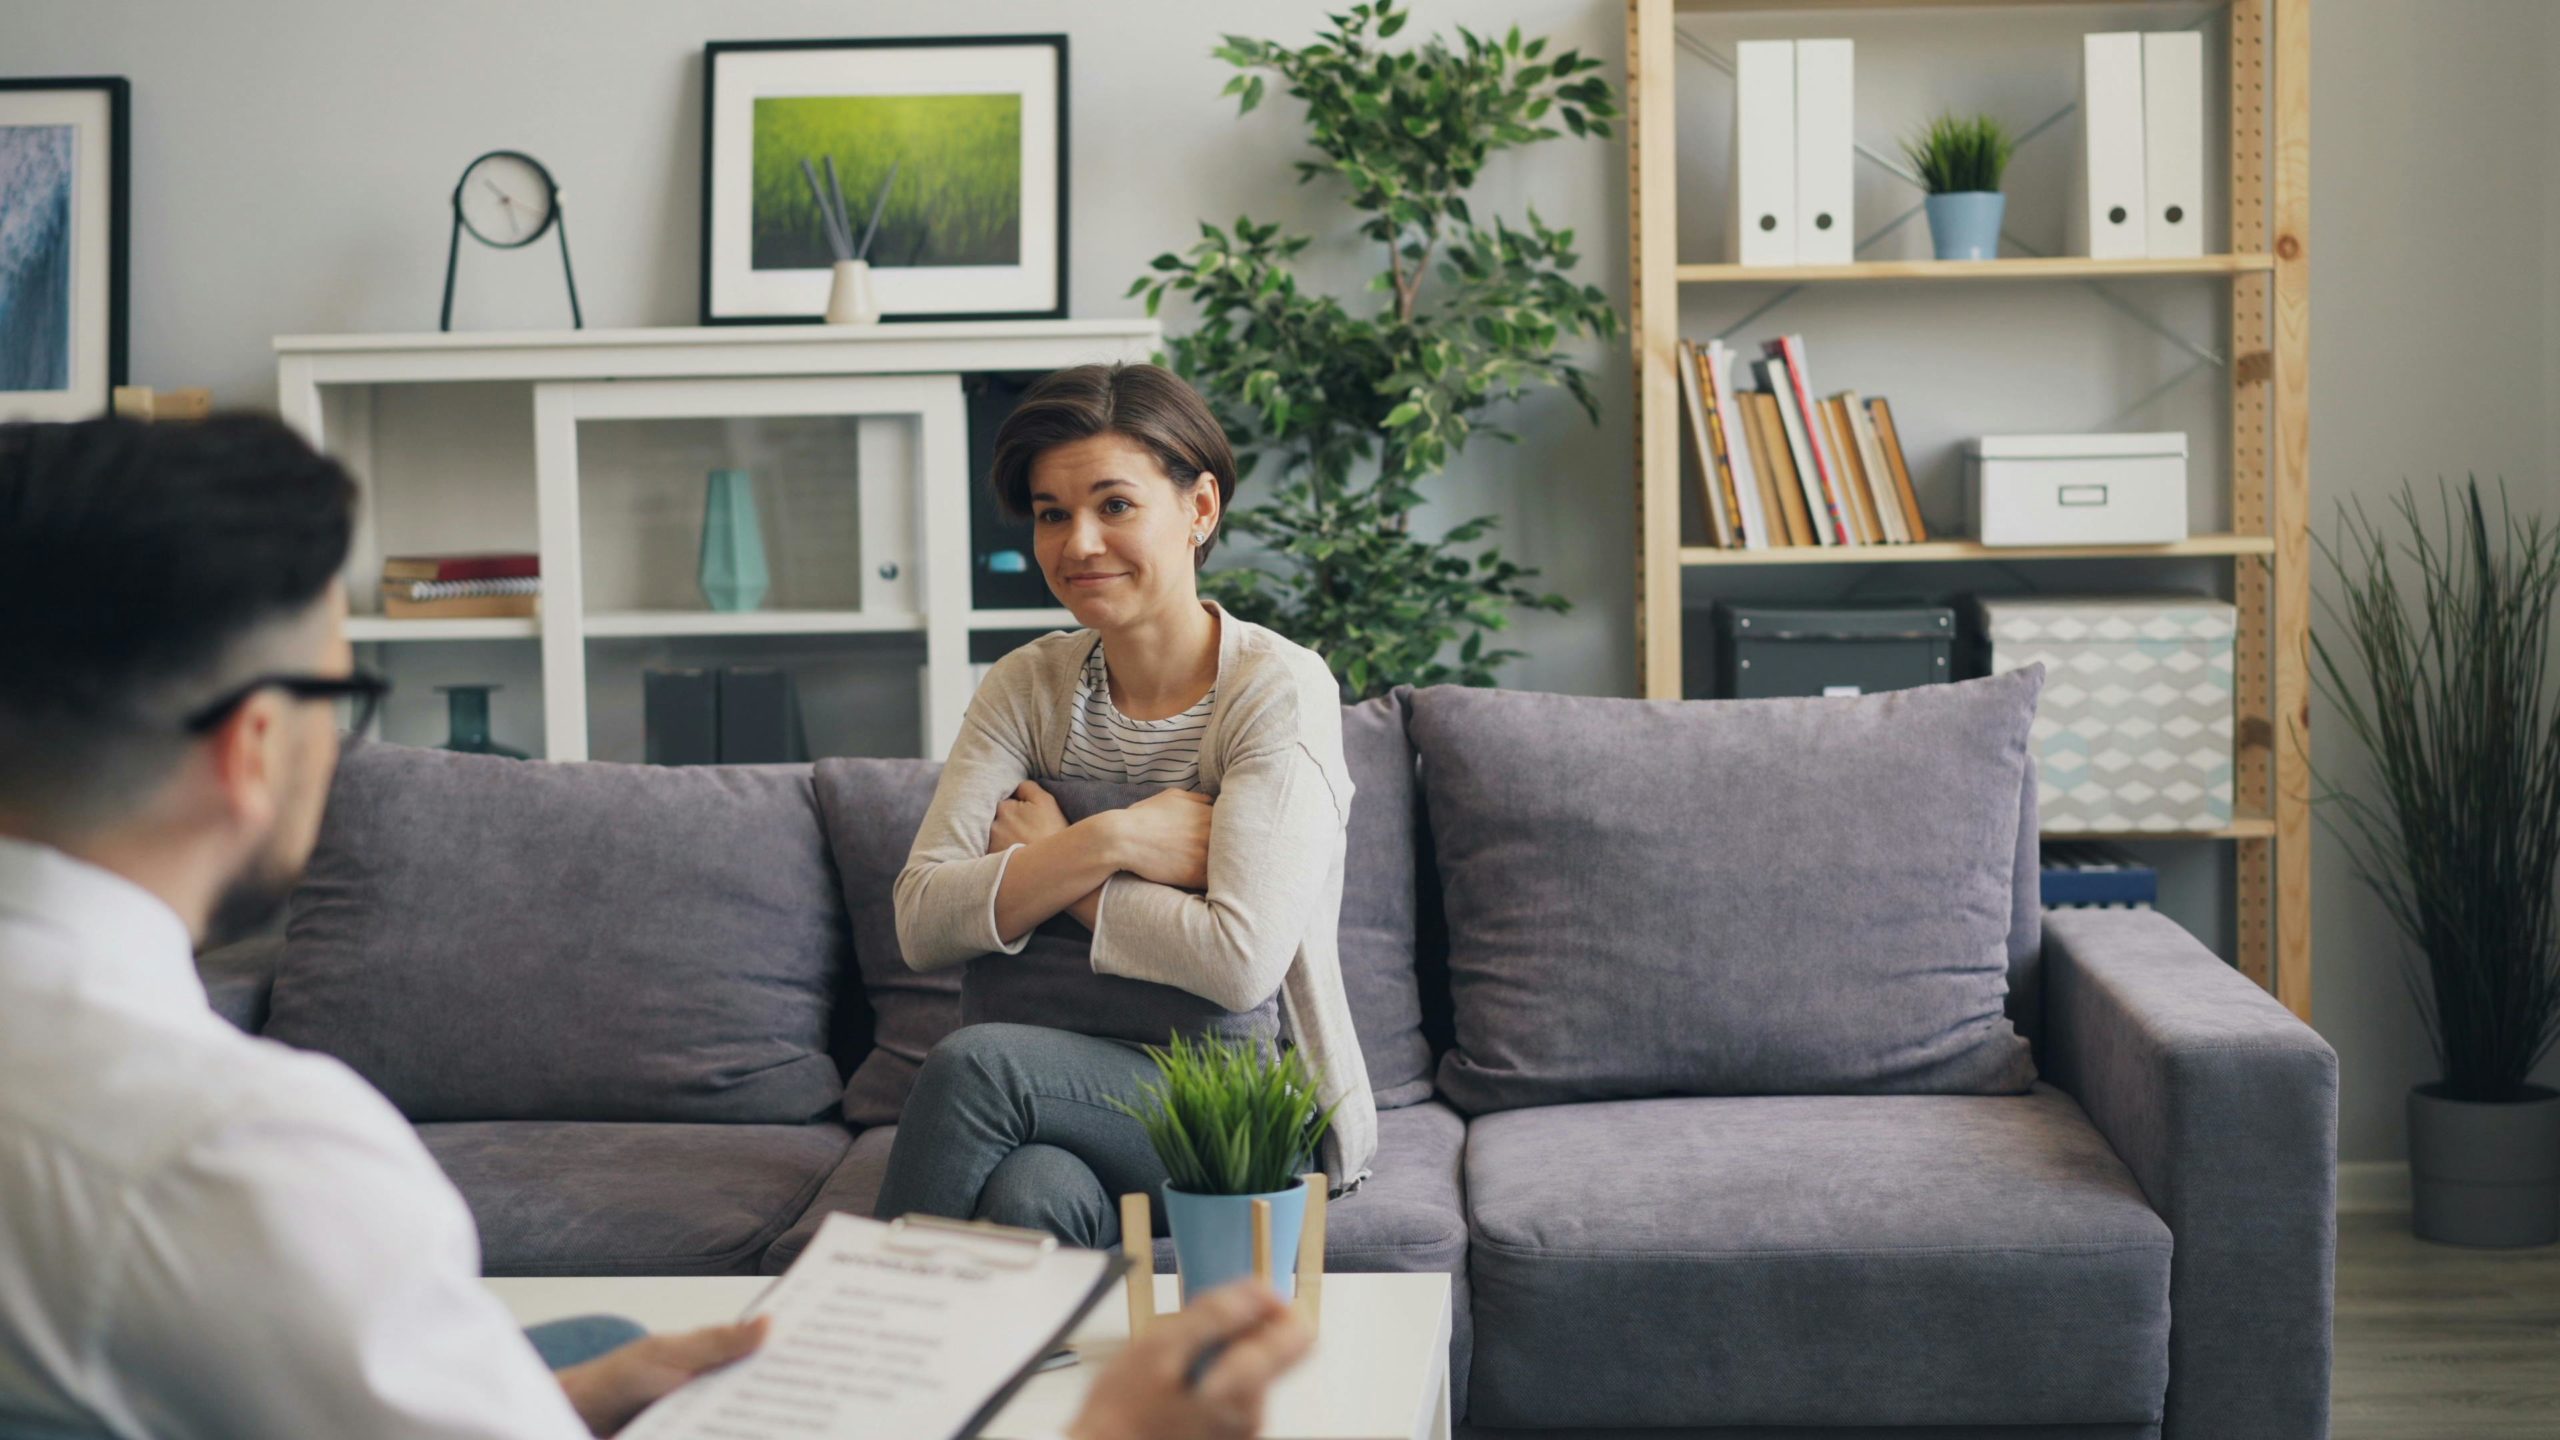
x,y
1960,160
1233,1123
2448,685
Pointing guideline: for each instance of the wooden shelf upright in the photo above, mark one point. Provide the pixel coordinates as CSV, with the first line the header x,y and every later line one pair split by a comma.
x,y
2267,270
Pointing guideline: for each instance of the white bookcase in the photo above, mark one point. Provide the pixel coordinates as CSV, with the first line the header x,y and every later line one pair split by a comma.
x,y
592,448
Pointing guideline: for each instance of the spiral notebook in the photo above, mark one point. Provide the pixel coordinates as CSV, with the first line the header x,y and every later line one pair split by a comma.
x,y
917,1329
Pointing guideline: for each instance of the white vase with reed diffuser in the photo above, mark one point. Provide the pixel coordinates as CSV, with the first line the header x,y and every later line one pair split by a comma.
x,y
852,299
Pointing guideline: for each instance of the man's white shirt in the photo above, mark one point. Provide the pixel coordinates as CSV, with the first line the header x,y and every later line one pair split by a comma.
x,y
207,1234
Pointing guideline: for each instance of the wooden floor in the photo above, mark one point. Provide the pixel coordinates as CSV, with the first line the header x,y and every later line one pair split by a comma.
x,y
2440,1343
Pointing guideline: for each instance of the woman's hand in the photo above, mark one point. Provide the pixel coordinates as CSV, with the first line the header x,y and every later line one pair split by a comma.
x,y
1165,838
1030,814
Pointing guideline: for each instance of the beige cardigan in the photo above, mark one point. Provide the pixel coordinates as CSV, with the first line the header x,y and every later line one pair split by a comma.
x,y
1272,757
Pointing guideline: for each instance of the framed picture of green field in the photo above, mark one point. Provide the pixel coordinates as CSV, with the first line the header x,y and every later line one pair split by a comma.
x,y
942,161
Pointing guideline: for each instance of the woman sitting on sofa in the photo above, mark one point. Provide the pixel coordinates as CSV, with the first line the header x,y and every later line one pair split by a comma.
x,y
1227,884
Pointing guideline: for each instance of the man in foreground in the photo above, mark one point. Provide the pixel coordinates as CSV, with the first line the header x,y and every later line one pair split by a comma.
x,y
207,1234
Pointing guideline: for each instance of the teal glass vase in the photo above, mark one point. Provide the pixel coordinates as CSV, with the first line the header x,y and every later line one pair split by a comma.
x,y
733,572
467,718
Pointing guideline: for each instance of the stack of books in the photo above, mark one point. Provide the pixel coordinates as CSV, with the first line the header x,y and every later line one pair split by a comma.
x,y
1780,467
462,587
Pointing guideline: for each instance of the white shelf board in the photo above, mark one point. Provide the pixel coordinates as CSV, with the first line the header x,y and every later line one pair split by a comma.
x,y
379,629
619,624
1055,617
936,347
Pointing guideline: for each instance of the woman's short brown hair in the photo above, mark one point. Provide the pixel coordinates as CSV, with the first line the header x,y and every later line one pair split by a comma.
x,y
1147,404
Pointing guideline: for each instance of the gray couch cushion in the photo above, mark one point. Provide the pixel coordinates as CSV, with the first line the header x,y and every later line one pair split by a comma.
x,y
852,1187
1728,897
1813,1260
555,1198
1376,938
239,977
490,939
871,809
2026,922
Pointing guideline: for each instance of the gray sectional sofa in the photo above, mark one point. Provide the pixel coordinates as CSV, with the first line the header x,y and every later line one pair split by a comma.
x,y
1724,1060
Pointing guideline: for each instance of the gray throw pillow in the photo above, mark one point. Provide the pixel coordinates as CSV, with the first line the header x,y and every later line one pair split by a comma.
x,y
873,809
488,939
1376,937
1759,897
1052,981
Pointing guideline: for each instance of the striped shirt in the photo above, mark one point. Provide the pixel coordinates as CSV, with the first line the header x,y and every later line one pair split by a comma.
x,y
1103,744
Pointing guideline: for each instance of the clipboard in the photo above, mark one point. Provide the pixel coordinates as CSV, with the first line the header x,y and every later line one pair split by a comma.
x,y
921,1326
925,1233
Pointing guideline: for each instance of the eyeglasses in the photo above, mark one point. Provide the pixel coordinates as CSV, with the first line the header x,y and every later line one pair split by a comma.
x,y
362,690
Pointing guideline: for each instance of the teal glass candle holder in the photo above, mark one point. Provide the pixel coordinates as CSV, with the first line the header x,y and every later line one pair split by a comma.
x,y
733,571
467,720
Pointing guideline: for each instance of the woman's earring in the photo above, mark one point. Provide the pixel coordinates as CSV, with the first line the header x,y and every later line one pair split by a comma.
x,y
1199,538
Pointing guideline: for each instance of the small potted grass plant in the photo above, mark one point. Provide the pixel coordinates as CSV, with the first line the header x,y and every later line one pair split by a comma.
x,y
1961,160
1233,1122
2439,659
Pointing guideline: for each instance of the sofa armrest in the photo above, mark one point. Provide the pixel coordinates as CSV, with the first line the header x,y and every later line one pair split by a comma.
x,y
239,977
2225,1108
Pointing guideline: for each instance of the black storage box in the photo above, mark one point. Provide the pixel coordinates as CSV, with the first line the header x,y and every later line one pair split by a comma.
x,y
1763,652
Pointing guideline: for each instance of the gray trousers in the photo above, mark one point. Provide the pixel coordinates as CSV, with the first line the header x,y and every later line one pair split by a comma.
x,y
1010,1123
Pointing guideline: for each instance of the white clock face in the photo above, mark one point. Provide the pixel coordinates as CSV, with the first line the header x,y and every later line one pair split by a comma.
x,y
505,200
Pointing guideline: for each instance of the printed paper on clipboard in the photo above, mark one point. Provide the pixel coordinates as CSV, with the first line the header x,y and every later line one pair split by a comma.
x,y
917,1329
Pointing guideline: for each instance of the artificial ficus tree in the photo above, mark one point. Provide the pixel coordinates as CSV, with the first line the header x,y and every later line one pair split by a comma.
x,y
1358,411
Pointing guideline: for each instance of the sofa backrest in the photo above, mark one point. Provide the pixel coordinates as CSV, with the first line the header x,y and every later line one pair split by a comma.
x,y
489,939
1745,897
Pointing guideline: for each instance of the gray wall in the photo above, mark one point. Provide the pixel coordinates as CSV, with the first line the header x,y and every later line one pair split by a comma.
x,y
293,157
2435,338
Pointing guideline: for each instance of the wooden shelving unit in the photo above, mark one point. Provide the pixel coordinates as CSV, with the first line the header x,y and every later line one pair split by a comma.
x,y
1974,551
2016,267
2266,270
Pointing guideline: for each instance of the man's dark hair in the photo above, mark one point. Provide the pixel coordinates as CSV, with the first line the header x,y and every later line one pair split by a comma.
x,y
1148,404
136,563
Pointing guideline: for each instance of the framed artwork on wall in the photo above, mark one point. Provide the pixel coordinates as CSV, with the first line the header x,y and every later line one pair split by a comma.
x,y
950,153
63,182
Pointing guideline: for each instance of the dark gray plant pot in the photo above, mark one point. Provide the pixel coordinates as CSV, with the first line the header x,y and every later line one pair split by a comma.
x,y
2486,1175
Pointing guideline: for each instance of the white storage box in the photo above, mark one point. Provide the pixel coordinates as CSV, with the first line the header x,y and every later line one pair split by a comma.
x,y
2078,489
2133,732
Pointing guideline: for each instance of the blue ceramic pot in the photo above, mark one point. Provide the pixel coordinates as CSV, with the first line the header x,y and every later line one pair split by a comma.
x,y
1966,225
1213,1238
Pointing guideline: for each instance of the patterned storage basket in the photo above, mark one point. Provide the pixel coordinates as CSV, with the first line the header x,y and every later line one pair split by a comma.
x,y
2134,731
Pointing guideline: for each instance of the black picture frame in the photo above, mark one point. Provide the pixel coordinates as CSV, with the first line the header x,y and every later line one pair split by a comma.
x,y
117,254
712,53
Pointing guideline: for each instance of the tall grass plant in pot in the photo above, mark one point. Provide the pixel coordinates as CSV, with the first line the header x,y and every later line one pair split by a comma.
x,y
1233,1123
1961,161
2438,656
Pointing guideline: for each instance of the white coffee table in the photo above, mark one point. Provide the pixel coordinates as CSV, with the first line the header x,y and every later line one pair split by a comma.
x,y
1380,1369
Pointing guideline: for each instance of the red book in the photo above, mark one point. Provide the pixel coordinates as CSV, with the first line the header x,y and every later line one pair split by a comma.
x,y
1825,468
500,565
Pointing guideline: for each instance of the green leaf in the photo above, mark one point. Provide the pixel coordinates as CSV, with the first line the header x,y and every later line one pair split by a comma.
x,y
1390,24
1403,414
1252,95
